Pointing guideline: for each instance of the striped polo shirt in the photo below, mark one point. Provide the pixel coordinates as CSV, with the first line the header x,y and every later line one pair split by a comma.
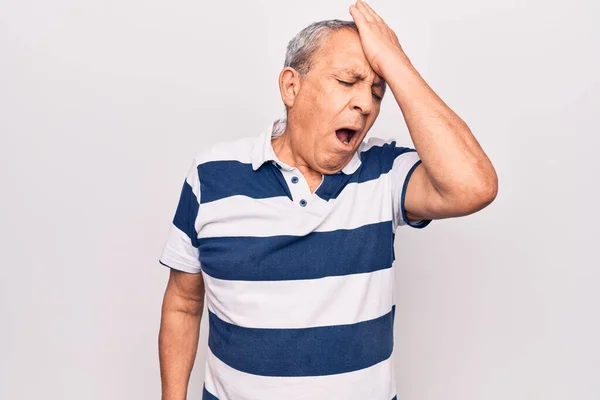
x,y
299,285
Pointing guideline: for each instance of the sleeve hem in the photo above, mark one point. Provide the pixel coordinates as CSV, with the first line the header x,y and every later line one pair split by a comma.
x,y
180,267
414,224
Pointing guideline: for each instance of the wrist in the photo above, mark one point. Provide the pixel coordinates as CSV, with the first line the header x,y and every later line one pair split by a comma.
x,y
394,64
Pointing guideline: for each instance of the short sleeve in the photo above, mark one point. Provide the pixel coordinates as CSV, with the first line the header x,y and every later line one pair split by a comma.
x,y
405,162
181,248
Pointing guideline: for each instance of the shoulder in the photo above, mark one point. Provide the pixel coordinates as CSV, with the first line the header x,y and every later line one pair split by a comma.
x,y
382,151
382,145
375,143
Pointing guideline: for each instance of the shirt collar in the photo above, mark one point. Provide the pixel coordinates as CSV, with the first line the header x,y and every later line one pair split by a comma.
x,y
263,149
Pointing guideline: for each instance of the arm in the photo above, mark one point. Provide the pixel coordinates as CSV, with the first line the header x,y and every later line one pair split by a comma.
x,y
182,307
455,177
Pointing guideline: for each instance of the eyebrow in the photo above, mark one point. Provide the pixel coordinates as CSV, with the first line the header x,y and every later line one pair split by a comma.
x,y
360,77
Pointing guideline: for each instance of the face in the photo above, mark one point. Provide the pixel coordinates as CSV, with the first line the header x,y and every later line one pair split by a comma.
x,y
335,103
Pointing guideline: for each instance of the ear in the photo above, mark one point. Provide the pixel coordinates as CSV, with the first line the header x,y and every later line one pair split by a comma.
x,y
289,85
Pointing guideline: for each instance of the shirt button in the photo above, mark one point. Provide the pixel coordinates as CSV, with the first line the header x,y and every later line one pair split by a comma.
x,y
303,203
294,179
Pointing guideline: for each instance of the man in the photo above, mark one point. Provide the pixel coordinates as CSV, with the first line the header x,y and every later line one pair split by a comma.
x,y
290,235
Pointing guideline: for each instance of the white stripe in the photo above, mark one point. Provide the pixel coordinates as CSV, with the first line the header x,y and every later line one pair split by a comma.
x,y
333,300
375,382
241,149
179,253
358,204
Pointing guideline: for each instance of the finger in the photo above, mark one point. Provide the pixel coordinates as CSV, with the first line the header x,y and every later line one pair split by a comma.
x,y
364,7
358,17
375,16
361,7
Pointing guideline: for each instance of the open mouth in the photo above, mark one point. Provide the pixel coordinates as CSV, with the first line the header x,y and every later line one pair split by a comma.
x,y
345,135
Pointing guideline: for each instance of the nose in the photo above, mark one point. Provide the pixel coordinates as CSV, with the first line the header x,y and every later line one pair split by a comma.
x,y
362,100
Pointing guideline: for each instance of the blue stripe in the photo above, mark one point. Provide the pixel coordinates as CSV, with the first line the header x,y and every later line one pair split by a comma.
x,y
185,215
315,351
421,224
206,395
376,161
221,179
316,255
379,160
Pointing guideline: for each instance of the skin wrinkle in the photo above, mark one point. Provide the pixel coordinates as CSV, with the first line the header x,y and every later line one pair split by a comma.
x,y
347,73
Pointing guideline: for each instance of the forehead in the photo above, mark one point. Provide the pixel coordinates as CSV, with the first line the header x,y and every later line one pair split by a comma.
x,y
342,53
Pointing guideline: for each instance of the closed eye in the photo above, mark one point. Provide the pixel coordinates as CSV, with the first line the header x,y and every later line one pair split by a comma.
x,y
348,84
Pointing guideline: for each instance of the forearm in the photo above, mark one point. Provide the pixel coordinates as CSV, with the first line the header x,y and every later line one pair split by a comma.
x,y
452,157
178,343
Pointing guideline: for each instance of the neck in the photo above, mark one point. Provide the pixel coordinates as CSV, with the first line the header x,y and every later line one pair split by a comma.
x,y
288,149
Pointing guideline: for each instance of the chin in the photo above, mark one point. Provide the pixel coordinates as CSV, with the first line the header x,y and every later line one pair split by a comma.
x,y
332,165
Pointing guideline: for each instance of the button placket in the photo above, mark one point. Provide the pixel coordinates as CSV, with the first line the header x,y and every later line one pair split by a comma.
x,y
298,187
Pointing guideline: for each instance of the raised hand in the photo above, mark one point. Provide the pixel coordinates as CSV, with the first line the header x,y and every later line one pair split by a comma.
x,y
380,43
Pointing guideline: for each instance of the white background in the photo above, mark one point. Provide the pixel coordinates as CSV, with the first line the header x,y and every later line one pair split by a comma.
x,y
104,103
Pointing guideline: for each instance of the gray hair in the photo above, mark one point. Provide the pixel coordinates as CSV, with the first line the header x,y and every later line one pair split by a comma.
x,y
303,46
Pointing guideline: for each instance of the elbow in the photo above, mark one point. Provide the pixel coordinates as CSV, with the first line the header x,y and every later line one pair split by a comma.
x,y
471,196
488,190
484,192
